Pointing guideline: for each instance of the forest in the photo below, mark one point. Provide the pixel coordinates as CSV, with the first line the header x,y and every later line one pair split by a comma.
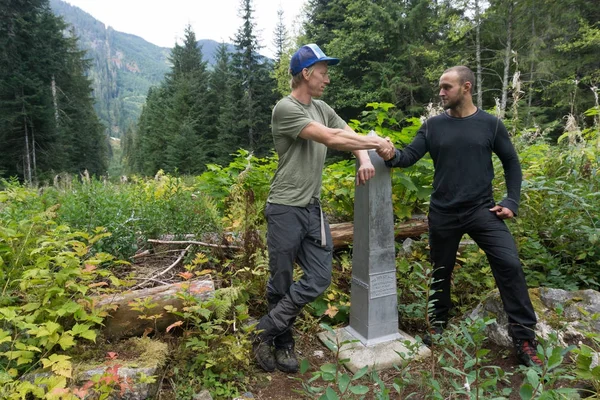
x,y
198,163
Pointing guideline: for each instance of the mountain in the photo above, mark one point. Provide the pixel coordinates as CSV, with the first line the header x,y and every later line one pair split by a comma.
x,y
123,66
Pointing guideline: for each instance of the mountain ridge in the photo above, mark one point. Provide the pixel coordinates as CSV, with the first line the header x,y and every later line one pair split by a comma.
x,y
124,66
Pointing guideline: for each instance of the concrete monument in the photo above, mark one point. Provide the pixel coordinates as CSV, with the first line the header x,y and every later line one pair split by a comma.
x,y
372,338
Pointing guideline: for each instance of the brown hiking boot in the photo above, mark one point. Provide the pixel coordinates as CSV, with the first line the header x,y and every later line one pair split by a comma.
x,y
285,359
263,353
526,350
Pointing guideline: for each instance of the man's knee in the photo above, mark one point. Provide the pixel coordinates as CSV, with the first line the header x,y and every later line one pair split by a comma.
x,y
308,291
321,285
508,266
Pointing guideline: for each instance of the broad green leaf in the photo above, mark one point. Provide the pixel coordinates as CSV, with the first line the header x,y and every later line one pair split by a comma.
x,y
359,389
533,378
330,394
78,329
66,341
89,335
526,391
329,367
555,358
470,363
304,366
327,377
68,308
52,327
360,373
24,360
5,336
343,382
30,307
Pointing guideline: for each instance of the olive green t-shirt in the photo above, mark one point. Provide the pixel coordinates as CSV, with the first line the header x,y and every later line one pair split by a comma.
x,y
300,168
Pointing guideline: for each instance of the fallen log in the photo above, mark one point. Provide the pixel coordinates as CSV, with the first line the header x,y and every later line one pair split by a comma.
x,y
128,317
342,234
205,244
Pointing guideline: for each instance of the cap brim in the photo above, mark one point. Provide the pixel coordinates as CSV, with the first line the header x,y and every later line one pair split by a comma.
x,y
330,60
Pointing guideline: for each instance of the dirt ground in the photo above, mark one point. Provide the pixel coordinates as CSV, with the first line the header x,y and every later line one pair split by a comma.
x,y
281,386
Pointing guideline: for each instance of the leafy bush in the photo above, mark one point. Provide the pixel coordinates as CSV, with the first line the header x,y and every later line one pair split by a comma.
x,y
135,212
48,274
558,230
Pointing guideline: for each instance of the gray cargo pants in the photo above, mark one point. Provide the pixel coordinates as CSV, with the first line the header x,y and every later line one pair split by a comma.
x,y
294,235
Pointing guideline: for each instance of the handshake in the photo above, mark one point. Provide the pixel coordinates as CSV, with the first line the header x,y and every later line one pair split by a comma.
x,y
385,148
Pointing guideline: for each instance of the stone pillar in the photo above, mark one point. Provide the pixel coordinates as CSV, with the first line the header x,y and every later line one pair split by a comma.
x,y
373,339
374,304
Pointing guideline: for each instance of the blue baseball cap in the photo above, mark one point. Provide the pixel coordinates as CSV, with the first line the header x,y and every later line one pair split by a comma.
x,y
308,55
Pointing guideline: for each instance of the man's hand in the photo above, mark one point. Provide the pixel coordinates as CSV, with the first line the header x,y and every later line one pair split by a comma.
x,y
502,212
386,150
365,172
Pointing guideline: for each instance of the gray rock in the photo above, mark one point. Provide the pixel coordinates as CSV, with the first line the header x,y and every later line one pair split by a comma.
x,y
152,357
203,395
566,314
245,396
407,246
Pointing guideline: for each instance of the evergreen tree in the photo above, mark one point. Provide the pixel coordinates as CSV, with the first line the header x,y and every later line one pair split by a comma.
x,y
385,47
185,116
153,133
221,92
254,86
281,38
81,135
177,120
45,115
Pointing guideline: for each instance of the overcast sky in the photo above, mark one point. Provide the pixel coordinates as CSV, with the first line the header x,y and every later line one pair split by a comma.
x,y
163,22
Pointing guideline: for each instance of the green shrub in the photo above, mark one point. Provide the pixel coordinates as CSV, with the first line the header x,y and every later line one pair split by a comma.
x,y
48,274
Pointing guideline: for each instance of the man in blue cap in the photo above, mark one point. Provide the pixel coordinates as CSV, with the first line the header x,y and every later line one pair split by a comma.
x,y
297,230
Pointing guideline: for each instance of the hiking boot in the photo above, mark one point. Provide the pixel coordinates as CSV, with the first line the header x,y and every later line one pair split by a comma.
x,y
428,337
285,359
526,350
263,353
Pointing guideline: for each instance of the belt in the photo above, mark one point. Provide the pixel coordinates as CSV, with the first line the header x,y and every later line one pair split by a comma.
x,y
312,201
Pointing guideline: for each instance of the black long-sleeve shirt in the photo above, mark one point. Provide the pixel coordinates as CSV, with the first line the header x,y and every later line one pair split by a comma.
x,y
461,149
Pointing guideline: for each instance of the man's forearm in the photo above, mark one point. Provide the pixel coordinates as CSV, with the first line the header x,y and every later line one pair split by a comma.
x,y
350,141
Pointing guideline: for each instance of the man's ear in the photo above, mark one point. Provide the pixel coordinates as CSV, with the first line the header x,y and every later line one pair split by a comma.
x,y
468,86
305,73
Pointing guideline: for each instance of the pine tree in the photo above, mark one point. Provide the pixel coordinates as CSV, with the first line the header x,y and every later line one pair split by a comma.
x,y
45,114
255,85
281,38
221,96
81,134
177,119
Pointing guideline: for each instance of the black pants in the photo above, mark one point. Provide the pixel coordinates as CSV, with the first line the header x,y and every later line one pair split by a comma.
x,y
294,235
493,237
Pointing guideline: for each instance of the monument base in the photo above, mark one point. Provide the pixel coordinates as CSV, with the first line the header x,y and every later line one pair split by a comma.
x,y
376,357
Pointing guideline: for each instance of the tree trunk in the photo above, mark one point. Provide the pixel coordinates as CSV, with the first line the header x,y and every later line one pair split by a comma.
x,y
478,54
531,69
124,321
342,234
54,101
26,160
34,177
507,54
